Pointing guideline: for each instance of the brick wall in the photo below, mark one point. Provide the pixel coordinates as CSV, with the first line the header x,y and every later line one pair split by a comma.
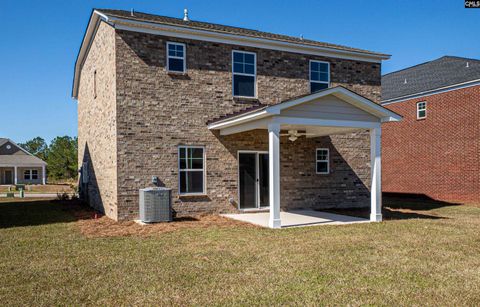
x,y
97,122
437,156
157,112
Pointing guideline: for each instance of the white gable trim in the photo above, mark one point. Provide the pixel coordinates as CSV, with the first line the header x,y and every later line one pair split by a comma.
x,y
18,146
348,96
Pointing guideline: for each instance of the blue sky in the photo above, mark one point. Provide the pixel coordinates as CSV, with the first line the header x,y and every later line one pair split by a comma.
x,y
40,41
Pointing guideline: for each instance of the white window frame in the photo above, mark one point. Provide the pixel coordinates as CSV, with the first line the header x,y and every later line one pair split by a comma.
x,y
424,109
204,187
184,58
326,160
254,75
310,73
31,174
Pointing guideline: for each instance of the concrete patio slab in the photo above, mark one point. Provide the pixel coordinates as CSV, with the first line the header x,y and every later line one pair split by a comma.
x,y
298,218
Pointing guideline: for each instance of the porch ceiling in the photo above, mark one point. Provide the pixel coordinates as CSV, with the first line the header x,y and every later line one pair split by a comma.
x,y
330,111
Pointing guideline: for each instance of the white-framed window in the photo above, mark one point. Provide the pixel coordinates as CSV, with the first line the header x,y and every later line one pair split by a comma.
x,y
244,73
421,110
319,75
323,161
30,174
176,55
191,168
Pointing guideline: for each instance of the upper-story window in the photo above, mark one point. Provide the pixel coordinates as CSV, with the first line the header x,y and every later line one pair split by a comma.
x,y
176,57
319,76
244,71
421,110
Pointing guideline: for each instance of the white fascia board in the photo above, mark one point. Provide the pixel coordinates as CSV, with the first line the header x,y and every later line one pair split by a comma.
x,y
234,39
85,47
258,124
439,90
239,120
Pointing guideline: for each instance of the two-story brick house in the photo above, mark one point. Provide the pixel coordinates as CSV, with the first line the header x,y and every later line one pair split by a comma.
x,y
231,119
435,149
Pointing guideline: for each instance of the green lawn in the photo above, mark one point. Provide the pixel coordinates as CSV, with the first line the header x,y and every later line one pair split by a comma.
x,y
429,257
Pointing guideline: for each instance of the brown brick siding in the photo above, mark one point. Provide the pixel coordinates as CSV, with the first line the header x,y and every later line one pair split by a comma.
x,y
97,122
437,156
157,111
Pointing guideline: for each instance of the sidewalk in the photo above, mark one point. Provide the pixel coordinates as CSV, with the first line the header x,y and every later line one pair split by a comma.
x,y
35,195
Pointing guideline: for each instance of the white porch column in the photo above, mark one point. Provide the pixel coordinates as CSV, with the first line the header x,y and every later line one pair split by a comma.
x,y
376,172
274,174
15,175
43,175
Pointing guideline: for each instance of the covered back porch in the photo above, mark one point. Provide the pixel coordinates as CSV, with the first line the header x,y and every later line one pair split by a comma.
x,y
333,111
22,174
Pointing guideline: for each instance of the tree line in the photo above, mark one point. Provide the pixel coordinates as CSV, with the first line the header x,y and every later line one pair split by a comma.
x,y
61,155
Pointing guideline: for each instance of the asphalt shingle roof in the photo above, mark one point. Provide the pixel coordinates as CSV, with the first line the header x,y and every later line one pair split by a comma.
x,y
21,160
138,16
445,71
3,141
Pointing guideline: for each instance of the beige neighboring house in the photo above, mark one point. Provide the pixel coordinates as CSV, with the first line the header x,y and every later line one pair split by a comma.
x,y
18,166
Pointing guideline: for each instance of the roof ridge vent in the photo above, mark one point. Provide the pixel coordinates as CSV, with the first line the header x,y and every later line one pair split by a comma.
x,y
185,15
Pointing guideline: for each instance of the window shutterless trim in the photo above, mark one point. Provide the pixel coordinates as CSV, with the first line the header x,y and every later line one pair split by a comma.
x,y
326,160
184,58
204,168
310,73
254,75
419,110
28,174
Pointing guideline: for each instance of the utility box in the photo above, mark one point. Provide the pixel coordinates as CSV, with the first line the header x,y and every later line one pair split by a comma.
x,y
155,205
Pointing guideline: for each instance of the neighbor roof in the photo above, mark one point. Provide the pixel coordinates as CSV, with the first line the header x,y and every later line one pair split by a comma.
x,y
138,16
27,159
439,73
19,160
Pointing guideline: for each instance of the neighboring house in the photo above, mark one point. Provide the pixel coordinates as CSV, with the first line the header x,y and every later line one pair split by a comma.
x,y
18,166
231,119
435,150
